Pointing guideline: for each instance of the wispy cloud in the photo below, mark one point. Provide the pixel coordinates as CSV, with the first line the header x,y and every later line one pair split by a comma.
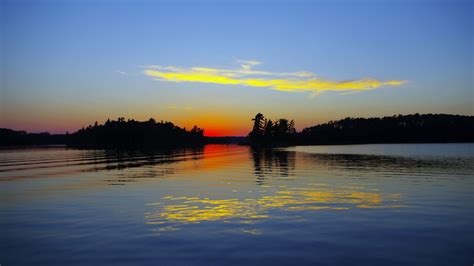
x,y
121,72
246,75
247,64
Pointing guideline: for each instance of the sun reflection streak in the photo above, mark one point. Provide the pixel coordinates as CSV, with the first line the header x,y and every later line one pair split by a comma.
x,y
177,211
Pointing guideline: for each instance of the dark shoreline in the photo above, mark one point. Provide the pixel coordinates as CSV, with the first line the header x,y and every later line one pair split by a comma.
x,y
126,134
52,146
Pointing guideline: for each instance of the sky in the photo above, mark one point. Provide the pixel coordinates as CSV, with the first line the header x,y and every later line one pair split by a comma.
x,y
215,64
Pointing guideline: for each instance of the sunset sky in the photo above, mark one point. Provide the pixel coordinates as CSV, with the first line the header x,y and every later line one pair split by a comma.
x,y
215,64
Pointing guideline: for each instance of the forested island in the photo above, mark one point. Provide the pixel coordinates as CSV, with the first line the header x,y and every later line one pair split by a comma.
x,y
130,133
415,128
112,134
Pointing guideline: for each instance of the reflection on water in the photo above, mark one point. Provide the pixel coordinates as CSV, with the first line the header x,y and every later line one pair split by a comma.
x,y
182,210
57,161
171,211
233,205
271,162
392,166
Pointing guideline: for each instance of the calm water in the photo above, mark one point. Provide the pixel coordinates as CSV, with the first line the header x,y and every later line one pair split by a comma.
x,y
409,204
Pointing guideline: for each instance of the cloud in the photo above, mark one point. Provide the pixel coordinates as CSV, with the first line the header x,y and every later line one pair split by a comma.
x,y
247,64
302,81
121,72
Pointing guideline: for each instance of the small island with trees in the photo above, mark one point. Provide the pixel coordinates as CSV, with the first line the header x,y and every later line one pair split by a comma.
x,y
121,133
415,128
118,133
130,133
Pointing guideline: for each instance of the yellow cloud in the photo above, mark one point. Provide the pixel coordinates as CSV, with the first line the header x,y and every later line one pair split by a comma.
x,y
302,81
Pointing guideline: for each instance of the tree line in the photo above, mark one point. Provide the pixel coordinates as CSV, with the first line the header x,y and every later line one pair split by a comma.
x,y
9,137
414,128
266,131
130,132
113,133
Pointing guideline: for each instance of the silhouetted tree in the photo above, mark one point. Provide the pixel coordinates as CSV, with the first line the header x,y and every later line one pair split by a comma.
x,y
281,127
267,132
258,126
291,127
268,129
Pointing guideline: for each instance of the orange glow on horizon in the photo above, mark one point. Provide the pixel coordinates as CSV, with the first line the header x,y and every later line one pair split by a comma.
x,y
219,125
212,127
222,132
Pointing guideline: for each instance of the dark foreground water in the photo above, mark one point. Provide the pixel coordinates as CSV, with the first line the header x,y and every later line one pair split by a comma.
x,y
230,205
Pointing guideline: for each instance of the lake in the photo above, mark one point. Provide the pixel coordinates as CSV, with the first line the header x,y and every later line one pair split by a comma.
x,y
394,204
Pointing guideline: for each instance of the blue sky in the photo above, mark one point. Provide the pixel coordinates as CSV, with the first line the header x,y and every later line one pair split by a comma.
x,y
66,64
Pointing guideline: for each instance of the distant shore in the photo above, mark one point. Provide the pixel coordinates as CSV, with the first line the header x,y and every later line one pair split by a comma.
x,y
415,128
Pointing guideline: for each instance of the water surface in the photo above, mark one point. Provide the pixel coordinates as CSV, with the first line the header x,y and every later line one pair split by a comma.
x,y
397,204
